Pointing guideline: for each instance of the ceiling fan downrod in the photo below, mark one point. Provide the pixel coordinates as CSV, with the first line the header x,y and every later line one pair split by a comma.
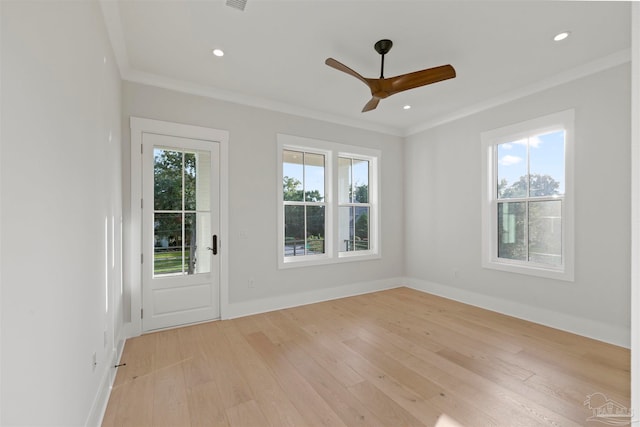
x,y
383,47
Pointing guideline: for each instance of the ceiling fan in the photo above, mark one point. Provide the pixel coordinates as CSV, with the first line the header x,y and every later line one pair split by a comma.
x,y
382,88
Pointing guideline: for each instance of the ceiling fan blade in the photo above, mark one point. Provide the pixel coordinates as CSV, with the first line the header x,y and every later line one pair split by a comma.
x,y
416,79
371,105
341,67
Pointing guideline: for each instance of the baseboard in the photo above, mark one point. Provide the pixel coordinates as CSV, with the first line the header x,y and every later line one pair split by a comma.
x,y
247,308
576,325
99,406
131,329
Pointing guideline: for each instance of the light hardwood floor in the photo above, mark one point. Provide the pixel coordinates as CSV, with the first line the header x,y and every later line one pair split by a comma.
x,y
392,358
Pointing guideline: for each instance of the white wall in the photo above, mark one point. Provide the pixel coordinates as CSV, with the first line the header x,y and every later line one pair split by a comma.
x,y
61,208
252,193
635,207
442,211
1,133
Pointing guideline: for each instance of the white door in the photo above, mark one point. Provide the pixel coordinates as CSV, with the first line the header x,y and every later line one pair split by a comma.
x,y
180,231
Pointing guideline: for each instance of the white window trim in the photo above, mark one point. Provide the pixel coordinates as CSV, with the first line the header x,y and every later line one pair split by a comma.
x,y
328,213
490,140
332,151
373,212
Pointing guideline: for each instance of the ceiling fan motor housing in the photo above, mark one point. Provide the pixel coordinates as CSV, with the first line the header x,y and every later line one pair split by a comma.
x,y
383,46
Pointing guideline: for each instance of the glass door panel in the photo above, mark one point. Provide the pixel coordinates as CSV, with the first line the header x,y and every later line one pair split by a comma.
x,y
182,212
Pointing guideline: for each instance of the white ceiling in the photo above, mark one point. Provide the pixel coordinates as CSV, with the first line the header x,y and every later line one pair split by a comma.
x,y
275,52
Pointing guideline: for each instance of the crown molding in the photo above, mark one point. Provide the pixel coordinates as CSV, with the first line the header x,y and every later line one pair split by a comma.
x,y
151,79
604,63
113,23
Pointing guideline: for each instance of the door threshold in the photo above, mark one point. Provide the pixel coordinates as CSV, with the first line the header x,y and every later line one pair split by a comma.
x,y
184,325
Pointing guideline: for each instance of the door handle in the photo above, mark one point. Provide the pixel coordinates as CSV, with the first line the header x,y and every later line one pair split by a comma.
x,y
214,244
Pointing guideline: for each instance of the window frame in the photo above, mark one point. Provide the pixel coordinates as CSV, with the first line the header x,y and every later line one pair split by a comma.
x,y
372,215
332,151
305,203
563,120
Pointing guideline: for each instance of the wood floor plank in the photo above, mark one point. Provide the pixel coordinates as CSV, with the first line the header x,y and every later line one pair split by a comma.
x,y
330,319
300,392
135,406
324,356
168,352
559,384
391,358
467,366
246,325
389,324
246,414
139,359
427,329
443,382
405,376
196,364
233,388
414,402
599,374
467,415
170,407
350,410
440,377
449,320
385,408
202,393
521,387
616,357
271,398
205,405
501,398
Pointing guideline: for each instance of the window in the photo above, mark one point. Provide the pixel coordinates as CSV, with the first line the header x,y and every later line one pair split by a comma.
x,y
354,208
528,198
328,196
304,206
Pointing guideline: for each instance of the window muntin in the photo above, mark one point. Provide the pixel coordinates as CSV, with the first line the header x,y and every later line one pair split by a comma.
x,y
528,216
303,189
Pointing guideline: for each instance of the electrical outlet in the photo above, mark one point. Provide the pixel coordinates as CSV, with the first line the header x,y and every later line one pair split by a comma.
x,y
94,361
251,283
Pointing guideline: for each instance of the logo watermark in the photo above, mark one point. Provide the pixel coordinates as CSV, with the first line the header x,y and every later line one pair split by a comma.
x,y
607,411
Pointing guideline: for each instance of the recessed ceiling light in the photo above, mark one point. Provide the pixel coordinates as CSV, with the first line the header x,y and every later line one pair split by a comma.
x,y
406,107
561,36
218,52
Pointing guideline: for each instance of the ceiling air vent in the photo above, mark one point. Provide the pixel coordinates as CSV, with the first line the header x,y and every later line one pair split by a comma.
x,y
237,4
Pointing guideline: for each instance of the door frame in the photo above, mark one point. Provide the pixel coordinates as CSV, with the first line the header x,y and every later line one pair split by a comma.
x,y
138,127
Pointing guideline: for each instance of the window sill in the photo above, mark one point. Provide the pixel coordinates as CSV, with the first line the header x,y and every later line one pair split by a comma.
x,y
565,274
291,262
